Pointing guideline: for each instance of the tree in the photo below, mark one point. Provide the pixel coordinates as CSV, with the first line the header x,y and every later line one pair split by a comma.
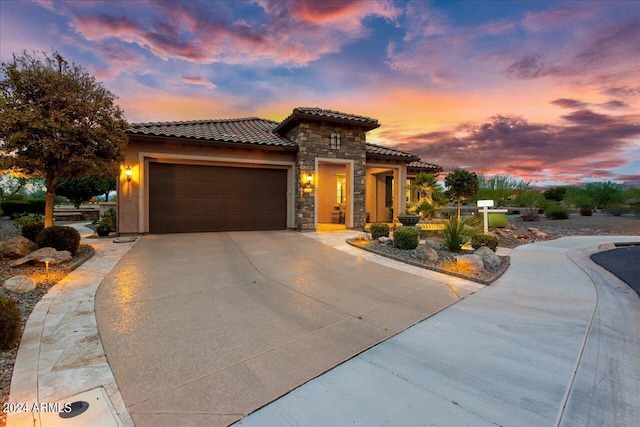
x,y
57,121
83,189
556,194
499,188
461,185
430,194
605,194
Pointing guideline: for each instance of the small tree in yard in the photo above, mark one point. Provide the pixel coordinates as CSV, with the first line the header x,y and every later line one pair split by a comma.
x,y
461,185
83,189
57,121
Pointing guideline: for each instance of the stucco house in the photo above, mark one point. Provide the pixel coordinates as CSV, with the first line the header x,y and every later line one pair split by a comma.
x,y
254,174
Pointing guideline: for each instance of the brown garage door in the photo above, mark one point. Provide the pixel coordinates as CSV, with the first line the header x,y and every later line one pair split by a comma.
x,y
193,198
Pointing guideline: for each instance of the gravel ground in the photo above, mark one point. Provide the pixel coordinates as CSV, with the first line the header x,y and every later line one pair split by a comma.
x,y
446,260
28,300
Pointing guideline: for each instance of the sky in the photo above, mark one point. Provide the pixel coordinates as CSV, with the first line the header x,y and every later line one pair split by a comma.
x,y
546,91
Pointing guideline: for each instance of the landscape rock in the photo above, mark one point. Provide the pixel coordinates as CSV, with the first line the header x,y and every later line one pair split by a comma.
x,y
42,253
17,247
436,243
472,263
19,284
538,234
385,240
426,253
3,292
490,259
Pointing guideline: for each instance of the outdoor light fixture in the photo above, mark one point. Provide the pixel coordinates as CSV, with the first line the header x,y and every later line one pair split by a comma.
x,y
129,173
46,261
309,178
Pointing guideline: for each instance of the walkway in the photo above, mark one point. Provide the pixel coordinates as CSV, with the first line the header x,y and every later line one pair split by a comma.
x,y
555,341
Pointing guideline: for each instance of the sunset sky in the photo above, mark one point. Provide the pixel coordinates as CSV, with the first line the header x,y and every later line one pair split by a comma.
x,y
545,91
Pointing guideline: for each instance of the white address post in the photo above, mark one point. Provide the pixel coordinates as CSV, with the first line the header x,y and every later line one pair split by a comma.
x,y
485,205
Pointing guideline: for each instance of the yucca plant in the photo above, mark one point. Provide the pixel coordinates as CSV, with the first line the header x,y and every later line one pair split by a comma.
x,y
458,232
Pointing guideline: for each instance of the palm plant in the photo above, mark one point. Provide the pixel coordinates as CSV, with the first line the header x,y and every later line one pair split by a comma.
x,y
458,232
431,195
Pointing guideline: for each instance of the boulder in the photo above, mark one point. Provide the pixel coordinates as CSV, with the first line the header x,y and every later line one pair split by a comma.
x,y
490,259
471,263
426,253
385,240
436,243
539,235
19,284
17,247
42,253
3,292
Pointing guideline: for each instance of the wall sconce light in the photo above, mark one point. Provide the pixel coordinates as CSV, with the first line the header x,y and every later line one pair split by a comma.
x,y
308,187
129,173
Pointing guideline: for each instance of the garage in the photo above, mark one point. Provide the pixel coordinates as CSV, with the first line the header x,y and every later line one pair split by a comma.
x,y
198,198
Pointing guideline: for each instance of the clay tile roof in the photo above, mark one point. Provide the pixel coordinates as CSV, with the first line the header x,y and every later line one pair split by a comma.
x,y
315,113
251,130
424,166
378,150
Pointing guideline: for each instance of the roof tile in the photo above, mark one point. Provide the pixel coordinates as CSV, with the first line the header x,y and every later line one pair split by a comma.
x,y
251,130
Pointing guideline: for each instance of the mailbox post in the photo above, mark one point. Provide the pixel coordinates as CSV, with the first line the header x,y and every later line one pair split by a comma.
x,y
485,205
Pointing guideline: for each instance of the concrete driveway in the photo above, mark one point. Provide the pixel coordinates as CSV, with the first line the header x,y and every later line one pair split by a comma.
x,y
202,329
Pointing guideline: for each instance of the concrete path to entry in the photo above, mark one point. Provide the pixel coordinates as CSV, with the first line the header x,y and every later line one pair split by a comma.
x,y
553,342
203,329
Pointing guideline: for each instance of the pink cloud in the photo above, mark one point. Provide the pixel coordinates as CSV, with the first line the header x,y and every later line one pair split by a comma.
x,y
198,80
554,19
506,144
290,33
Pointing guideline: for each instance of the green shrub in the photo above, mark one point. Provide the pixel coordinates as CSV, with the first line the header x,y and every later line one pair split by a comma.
x,y
635,208
555,211
617,210
480,240
406,238
9,323
60,237
379,229
31,230
36,206
13,208
457,233
24,219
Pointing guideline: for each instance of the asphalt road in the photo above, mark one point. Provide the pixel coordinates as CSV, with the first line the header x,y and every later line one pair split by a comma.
x,y
623,262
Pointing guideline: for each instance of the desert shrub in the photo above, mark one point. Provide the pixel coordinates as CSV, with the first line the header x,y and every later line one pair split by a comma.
x,y
459,232
406,238
585,211
529,200
617,210
60,237
24,219
479,240
555,211
635,208
9,323
379,229
13,208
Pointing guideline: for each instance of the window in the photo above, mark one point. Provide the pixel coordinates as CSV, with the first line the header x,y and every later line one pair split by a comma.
x,y
388,191
335,141
341,187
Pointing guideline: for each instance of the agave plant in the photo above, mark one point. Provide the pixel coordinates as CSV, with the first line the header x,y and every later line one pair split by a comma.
x,y
458,232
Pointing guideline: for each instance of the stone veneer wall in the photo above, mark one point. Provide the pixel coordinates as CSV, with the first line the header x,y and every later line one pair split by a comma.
x,y
314,140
